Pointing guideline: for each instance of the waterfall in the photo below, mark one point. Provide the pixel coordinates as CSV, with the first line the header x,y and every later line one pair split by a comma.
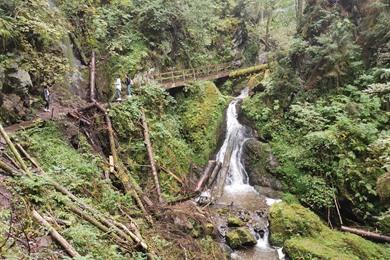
x,y
237,189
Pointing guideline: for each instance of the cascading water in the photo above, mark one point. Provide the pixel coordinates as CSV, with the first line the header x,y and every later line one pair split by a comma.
x,y
236,190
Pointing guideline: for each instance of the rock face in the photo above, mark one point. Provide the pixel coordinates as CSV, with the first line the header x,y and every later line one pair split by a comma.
x,y
260,163
240,237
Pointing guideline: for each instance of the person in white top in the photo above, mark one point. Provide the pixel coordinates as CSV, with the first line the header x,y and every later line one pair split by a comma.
x,y
118,89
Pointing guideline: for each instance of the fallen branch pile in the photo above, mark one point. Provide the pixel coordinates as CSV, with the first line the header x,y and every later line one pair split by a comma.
x,y
126,237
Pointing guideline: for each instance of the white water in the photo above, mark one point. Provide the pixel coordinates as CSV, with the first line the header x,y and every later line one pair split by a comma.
x,y
237,189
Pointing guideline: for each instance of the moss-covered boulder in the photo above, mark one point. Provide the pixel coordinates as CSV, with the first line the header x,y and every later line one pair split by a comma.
x,y
383,187
234,221
201,114
260,163
305,236
240,237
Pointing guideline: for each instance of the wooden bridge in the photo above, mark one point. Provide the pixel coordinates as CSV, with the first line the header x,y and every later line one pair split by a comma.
x,y
178,78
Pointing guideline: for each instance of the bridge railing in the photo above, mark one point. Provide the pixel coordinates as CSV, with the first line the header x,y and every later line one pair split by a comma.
x,y
186,75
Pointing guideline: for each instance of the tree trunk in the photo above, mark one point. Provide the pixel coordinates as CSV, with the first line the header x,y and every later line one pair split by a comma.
x,y
149,148
206,174
299,12
367,234
267,30
216,170
14,150
92,75
56,236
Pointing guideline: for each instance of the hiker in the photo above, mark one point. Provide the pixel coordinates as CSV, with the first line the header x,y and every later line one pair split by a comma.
x,y
46,98
128,83
118,89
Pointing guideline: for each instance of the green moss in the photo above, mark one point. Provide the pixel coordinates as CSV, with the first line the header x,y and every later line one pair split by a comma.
x,y
201,114
234,221
240,237
246,71
304,236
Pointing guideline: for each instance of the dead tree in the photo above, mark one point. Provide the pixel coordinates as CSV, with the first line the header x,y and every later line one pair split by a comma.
x,y
206,174
149,149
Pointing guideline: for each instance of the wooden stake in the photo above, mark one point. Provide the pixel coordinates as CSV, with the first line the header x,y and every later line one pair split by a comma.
x,y
149,148
56,236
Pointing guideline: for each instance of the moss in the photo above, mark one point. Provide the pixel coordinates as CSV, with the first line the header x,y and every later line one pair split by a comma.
x,y
304,236
240,237
201,114
255,80
246,71
383,187
234,221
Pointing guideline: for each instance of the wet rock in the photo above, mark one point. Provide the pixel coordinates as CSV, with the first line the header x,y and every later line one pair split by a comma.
x,y
234,221
240,237
268,192
260,164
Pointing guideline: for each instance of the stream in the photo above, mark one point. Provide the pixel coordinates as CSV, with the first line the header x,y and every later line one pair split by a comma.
x,y
237,193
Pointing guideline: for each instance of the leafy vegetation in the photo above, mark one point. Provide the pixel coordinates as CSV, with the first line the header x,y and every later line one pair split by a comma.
x,y
326,124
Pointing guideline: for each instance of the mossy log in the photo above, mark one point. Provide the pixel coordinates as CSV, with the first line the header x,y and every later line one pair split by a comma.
x,y
247,71
55,235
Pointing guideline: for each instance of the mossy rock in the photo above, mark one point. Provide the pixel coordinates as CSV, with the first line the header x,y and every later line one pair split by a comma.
x,y
291,220
234,221
260,164
240,237
383,187
304,236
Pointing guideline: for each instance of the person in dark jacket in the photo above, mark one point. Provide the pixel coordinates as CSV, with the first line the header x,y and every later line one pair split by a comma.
x,y
128,83
46,98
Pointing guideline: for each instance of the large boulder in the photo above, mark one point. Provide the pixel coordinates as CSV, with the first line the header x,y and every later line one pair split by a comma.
x,y
16,81
260,164
303,235
240,237
383,187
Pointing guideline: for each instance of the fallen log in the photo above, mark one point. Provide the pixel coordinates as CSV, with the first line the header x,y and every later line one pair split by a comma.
x,y
216,170
80,118
122,238
173,175
55,235
206,174
366,234
218,188
14,150
128,182
149,149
